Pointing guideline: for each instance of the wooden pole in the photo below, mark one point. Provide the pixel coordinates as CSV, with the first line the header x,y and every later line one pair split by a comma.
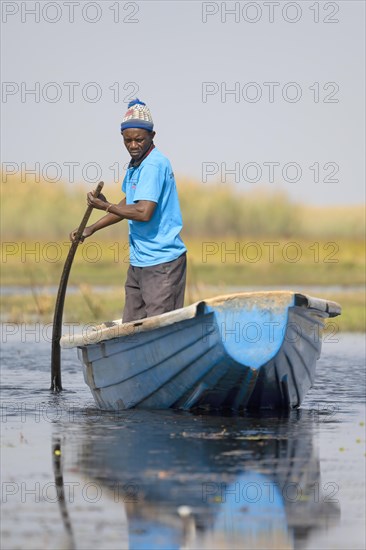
x,y
56,385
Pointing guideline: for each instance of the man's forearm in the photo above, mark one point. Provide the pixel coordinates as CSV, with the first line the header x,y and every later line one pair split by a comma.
x,y
108,219
141,211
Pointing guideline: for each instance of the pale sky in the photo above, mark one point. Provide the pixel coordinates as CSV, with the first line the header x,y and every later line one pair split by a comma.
x,y
295,117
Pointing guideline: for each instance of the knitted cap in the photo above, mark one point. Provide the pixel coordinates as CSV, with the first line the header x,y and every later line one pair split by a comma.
x,y
137,116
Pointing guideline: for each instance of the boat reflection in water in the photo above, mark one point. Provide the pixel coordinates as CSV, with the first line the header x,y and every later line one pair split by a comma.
x,y
211,482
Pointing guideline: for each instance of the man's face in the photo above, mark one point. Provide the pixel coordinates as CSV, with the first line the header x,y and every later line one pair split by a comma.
x,y
137,141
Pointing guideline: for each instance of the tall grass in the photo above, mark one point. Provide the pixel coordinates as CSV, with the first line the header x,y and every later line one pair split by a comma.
x,y
47,211
50,211
33,214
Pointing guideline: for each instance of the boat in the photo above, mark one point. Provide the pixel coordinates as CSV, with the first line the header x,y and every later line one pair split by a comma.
x,y
251,350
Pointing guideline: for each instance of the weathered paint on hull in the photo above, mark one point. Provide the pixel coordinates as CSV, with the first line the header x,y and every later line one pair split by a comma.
x,y
192,363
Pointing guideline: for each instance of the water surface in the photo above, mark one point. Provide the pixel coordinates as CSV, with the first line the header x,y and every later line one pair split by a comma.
x,y
75,477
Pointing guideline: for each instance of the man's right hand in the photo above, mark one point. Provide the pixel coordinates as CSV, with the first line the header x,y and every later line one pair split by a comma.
x,y
86,233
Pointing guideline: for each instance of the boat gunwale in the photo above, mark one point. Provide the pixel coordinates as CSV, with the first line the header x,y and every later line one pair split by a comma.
x,y
116,329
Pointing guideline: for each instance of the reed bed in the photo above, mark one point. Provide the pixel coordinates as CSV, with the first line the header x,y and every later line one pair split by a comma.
x,y
90,305
51,210
235,240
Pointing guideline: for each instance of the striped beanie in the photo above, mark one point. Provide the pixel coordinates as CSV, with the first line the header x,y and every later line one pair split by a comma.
x,y
137,116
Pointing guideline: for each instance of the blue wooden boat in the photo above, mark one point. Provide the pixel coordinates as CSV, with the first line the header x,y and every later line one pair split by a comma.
x,y
247,350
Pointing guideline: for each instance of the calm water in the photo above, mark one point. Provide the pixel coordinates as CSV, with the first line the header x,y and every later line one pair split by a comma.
x,y
73,477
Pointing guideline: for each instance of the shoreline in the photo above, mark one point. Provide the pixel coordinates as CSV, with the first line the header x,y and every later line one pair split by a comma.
x,y
95,304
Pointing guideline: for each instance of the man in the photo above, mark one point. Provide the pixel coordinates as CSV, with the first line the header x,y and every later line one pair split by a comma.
x,y
157,273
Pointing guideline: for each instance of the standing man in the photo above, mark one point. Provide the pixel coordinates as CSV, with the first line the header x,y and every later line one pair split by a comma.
x,y
157,273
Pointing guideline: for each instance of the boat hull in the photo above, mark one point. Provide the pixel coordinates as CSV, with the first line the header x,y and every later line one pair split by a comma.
x,y
254,350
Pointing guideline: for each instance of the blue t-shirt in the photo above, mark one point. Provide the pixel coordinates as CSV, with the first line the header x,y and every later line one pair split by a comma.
x,y
158,240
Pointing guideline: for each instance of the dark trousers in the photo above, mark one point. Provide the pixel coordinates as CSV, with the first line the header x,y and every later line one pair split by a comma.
x,y
154,289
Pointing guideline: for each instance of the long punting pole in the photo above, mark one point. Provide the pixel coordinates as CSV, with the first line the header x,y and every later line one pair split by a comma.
x,y
56,385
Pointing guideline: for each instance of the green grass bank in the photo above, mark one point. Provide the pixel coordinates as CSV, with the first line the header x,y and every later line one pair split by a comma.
x,y
235,240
